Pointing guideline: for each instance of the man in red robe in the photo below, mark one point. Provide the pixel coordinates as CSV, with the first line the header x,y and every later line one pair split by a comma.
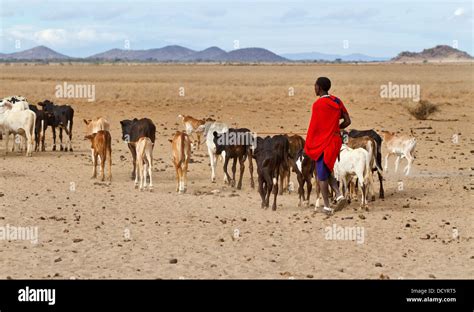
x,y
323,140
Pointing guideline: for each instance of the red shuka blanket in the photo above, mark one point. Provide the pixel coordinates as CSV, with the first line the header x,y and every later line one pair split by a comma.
x,y
323,133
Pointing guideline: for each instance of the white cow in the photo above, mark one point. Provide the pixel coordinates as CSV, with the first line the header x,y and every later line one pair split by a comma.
x,y
17,122
209,128
354,162
402,146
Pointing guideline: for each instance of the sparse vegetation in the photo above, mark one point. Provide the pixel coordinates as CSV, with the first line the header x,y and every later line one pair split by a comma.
x,y
423,110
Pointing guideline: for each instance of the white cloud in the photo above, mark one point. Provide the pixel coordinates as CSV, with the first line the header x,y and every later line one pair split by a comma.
x,y
51,36
459,12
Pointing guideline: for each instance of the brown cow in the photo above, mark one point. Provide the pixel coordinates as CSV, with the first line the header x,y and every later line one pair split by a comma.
x,y
101,145
181,145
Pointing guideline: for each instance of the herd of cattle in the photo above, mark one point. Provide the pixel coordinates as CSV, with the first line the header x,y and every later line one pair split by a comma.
x,y
276,157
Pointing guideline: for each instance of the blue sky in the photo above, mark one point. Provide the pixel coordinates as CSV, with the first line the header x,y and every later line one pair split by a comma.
x,y
377,28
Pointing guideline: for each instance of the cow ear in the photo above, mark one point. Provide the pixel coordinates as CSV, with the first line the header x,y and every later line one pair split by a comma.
x,y
86,121
171,141
121,122
214,133
40,103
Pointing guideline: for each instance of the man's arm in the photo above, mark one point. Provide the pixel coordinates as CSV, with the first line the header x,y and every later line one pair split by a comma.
x,y
346,122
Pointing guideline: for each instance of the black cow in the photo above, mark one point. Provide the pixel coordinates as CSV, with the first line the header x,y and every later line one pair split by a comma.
x,y
270,154
59,116
237,144
371,133
40,127
305,171
132,130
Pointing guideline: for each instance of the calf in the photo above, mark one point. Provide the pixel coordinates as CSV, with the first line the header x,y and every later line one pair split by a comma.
x,y
402,146
94,125
181,146
350,163
101,145
236,144
271,153
144,148
62,117
378,160
132,131
305,172
17,122
296,143
192,125
370,145
208,129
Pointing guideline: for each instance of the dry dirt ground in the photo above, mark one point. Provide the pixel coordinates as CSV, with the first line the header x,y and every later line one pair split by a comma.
x,y
89,229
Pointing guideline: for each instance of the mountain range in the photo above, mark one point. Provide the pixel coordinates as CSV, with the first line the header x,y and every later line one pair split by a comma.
x,y
175,53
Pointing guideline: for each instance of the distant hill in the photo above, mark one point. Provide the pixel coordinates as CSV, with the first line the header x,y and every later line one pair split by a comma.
x,y
443,53
253,55
168,53
210,54
36,53
316,56
181,54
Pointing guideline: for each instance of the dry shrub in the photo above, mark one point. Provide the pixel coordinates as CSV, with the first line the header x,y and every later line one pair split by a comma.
x,y
423,110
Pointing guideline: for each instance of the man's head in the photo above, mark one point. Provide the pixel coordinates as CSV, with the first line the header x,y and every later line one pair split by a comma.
x,y
322,86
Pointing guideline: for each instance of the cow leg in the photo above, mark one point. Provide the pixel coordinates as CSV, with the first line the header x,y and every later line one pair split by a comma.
x,y
213,162
29,134
260,181
60,138
133,150
54,137
109,157
102,167
269,183
309,187
136,176
226,162
94,164
176,167
275,192
70,135
397,162
242,169
234,169
410,159
150,170
385,168
185,175
381,191
250,156
301,182
42,135
6,137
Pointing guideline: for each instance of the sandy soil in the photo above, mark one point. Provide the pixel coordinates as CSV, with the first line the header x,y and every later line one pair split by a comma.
x,y
111,230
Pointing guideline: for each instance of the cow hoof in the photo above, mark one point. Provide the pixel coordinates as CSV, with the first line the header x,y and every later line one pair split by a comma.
x,y
54,148
136,186
239,187
70,149
373,197
150,189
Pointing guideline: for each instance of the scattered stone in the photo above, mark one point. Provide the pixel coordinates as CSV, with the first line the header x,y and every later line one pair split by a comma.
x,y
174,261
378,264
77,240
361,216
58,259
